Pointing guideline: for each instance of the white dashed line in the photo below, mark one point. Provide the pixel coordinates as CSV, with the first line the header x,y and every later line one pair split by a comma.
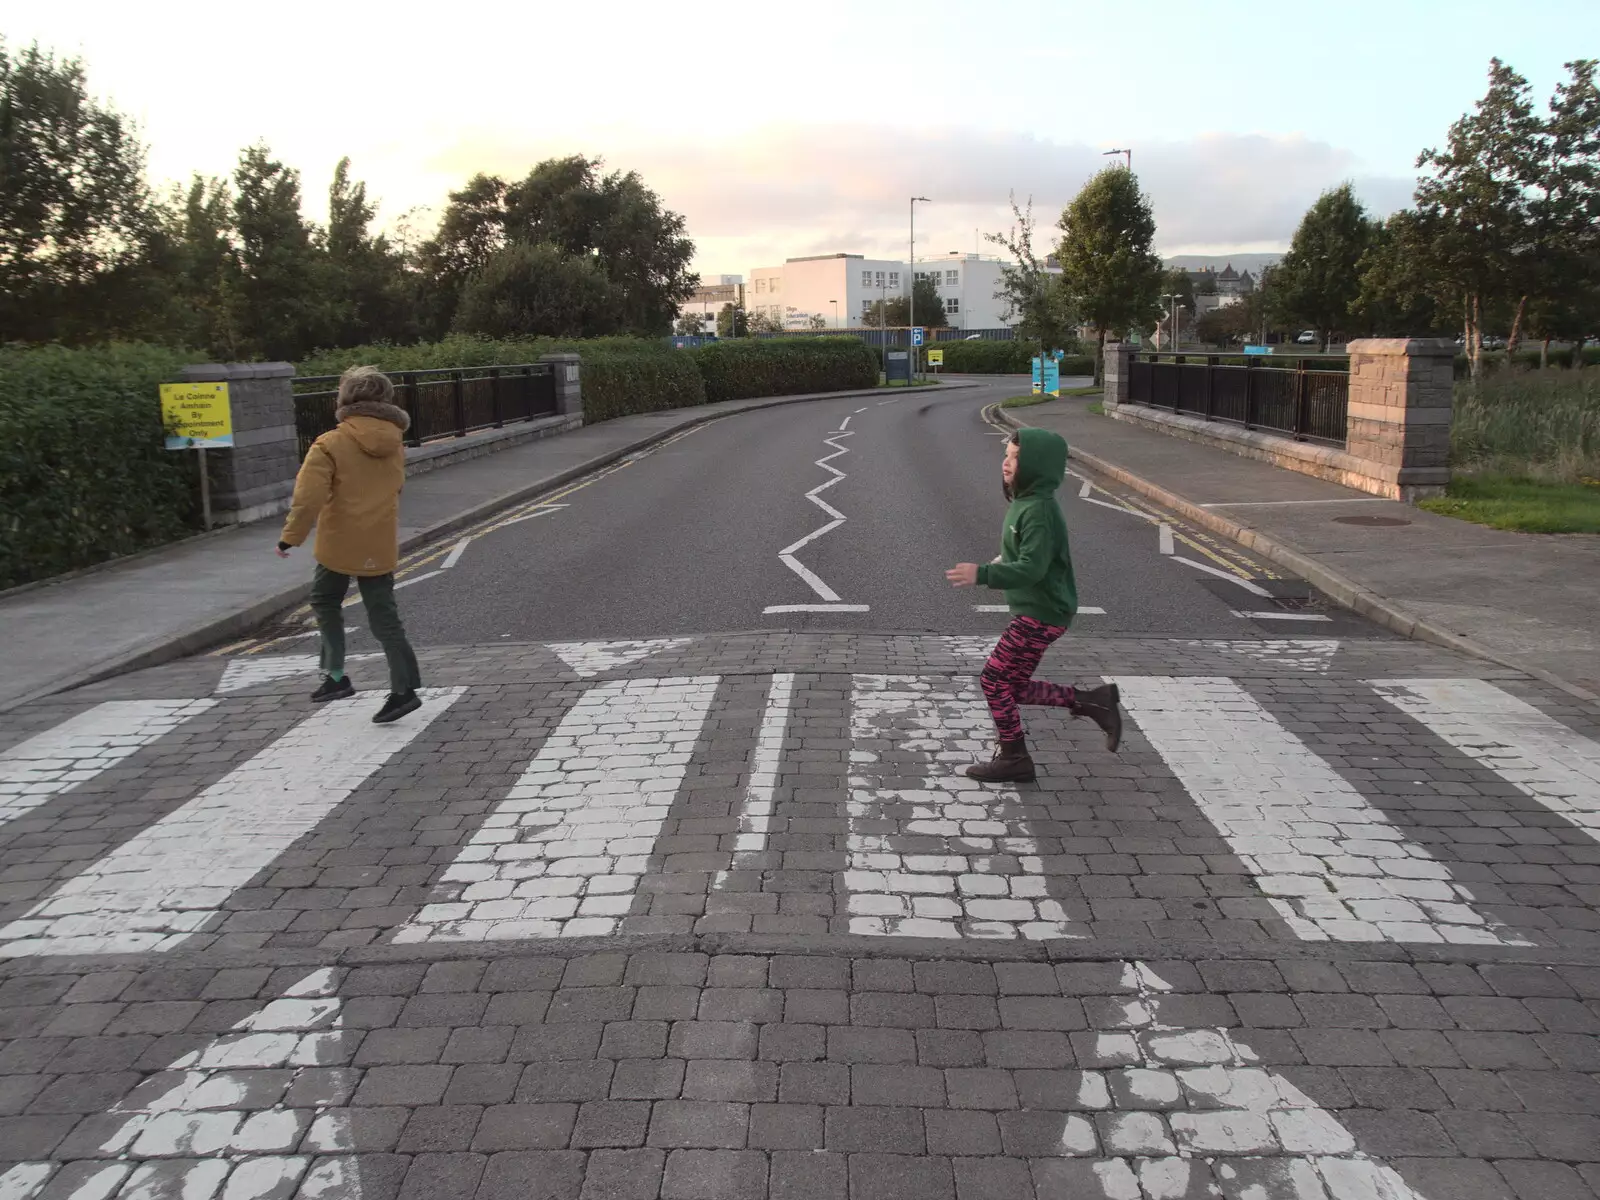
x,y
794,608
455,554
1165,533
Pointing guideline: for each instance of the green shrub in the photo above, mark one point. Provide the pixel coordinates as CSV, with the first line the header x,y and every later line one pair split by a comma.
x,y
737,370
987,358
84,472
617,383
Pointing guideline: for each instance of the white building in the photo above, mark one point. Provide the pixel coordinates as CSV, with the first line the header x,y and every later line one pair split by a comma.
x,y
710,296
840,288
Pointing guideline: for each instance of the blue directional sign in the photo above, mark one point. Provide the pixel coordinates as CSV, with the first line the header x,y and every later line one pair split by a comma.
x,y
916,336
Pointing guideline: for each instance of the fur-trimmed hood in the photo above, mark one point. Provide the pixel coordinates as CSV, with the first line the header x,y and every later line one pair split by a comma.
x,y
391,413
376,427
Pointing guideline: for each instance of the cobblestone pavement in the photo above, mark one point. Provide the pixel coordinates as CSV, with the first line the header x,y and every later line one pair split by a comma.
x,y
720,917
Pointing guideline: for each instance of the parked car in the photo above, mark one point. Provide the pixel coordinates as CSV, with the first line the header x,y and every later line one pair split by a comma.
x,y
1306,337
1494,343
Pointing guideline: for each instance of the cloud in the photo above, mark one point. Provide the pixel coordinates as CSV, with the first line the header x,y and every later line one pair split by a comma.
x,y
785,190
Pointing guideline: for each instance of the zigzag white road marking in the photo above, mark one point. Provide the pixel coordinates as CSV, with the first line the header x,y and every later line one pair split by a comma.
x,y
179,1137
787,554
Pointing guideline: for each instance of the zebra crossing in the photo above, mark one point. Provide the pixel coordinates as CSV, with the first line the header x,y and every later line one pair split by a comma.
x,y
1240,816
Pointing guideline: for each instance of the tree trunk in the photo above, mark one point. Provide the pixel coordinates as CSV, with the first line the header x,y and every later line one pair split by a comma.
x,y
1100,355
1544,353
1577,354
1515,339
1475,337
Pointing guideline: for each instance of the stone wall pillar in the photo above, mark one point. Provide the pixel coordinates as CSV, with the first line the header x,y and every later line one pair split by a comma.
x,y
569,390
1118,374
1399,417
255,478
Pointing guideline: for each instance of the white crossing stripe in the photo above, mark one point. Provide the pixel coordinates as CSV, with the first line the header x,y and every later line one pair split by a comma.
x,y
1293,654
219,1116
1181,1111
1332,864
593,658
252,671
1555,765
78,749
755,818
1083,609
172,878
562,854
948,857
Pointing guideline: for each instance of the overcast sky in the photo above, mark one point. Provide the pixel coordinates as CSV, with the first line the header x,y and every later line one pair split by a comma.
x,y
783,130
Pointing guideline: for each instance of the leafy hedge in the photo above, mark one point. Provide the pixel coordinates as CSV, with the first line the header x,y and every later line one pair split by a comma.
x,y
737,370
618,383
1004,358
84,473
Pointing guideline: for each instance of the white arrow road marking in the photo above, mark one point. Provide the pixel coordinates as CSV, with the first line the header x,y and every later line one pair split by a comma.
x,y
787,554
417,579
241,673
562,854
455,554
944,857
215,1123
78,749
593,658
1555,765
171,879
1187,1112
1331,864
1254,589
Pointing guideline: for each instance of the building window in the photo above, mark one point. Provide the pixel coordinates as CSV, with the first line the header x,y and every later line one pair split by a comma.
x,y
894,279
952,278
773,287
877,279
761,285
866,279
952,304
866,307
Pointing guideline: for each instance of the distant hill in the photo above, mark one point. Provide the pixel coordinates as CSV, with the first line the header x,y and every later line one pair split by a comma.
x,y
1241,262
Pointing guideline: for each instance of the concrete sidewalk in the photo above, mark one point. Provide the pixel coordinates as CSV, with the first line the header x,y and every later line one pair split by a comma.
x,y
178,599
1522,600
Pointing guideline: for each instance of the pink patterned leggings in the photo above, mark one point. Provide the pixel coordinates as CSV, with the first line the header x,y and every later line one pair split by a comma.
x,y
1007,677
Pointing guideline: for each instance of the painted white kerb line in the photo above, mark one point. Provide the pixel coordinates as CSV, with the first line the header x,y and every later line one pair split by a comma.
x,y
1542,757
755,818
1330,863
172,878
787,555
562,854
78,749
187,1129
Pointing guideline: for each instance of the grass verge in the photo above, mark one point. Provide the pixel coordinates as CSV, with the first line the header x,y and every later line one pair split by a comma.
x,y
1527,505
1030,400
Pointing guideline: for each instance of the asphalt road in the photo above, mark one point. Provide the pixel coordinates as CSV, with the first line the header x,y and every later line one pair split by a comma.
x,y
687,538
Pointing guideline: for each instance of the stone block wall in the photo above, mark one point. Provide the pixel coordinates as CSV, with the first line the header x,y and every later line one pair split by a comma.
x,y
1118,374
256,477
1399,415
569,392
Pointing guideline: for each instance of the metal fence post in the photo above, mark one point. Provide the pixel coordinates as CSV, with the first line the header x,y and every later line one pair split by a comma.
x,y
1301,384
494,398
460,398
1250,392
413,409
1211,382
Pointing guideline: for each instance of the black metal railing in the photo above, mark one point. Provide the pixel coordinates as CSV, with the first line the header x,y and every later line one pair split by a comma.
x,y
1308,400
442,403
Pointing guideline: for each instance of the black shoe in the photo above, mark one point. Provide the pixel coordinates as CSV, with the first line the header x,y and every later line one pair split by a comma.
x,y
396,706
333,689
1010,764
1100,706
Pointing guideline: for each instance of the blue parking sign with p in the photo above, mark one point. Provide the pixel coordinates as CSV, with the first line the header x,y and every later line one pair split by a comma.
x,y
916,336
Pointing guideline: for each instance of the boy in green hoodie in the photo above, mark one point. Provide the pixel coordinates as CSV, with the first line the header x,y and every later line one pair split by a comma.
x,y
1034,570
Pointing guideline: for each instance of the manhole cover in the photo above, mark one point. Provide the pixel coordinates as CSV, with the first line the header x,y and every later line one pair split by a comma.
x,y
1373,521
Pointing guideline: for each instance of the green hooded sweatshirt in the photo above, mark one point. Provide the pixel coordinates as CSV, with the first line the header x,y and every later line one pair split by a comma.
x,y
1035,565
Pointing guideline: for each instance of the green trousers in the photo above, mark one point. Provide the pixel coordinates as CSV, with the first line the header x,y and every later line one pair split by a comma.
x,y
328,590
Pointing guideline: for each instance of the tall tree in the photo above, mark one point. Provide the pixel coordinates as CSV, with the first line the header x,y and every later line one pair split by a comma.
x,y
1109,270
1319,280
1033,295
1397,295
733,322
74,205
367,272
570,205
1565,210
1473,203
287,311
524,290
895,312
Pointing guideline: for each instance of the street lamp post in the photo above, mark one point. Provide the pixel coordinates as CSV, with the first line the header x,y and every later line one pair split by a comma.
x,y
835,304
911,307
1172,299
1129,153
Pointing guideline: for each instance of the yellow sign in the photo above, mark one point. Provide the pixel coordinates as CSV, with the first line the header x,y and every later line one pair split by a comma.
x,y
196,415
936,358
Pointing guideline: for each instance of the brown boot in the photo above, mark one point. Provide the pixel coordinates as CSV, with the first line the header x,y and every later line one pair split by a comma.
x,y
1100,706
1010,764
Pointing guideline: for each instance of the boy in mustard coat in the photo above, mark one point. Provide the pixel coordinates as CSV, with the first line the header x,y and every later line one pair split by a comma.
x,y
349,487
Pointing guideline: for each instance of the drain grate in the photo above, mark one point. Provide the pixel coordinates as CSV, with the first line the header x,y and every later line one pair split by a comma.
x,y
1299,603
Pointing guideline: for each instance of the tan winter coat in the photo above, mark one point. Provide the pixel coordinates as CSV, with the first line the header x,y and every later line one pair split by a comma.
x,y
349,487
